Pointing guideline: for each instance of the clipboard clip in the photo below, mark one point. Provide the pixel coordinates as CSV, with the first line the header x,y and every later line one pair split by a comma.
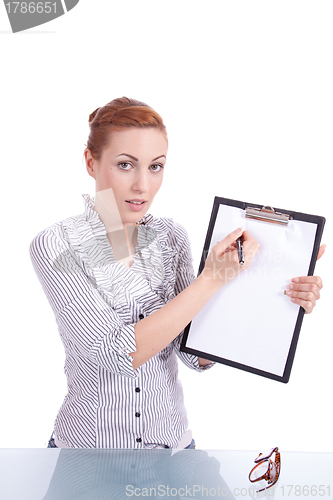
x,y
267,214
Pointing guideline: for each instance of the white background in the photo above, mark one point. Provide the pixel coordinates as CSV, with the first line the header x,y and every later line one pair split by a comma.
x,y
245,90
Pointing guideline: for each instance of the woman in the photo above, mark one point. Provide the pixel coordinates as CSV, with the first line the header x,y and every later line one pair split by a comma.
x,y
122,287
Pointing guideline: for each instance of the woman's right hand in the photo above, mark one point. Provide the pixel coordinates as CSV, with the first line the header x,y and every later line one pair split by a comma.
x,y
222,264
154,332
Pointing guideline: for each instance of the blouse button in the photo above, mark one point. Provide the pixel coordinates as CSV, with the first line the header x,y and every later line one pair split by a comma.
x,y
137,414
141,316
138,440
137,389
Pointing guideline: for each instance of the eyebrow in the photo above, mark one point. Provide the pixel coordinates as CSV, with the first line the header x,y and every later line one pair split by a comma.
x,y
136,159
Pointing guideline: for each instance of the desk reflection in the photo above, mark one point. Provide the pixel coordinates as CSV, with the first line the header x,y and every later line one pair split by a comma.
x,y
122,474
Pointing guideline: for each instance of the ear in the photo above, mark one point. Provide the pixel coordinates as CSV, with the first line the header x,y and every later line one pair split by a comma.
x,y
91,163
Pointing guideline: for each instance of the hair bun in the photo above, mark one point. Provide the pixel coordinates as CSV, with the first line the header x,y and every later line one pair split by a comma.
x,y
93,114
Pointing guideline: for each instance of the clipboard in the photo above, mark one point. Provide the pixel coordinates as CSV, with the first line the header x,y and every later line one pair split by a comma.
x,y
249,323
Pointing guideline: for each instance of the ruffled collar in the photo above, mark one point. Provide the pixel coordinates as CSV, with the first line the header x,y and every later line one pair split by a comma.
x,y
107,275
92,215
154,263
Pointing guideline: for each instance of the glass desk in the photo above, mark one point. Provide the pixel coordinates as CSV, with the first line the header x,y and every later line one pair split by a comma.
x,y
84,474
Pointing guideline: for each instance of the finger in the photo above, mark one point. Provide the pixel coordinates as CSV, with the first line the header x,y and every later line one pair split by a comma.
x,y
321,251
308,279
306,288
221,246
307,296
227,248
307,305
250,246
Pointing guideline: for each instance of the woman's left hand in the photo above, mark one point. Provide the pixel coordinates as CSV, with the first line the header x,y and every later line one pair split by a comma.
x,y
305,290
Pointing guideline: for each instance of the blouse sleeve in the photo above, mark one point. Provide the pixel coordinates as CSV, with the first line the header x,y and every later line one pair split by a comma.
x,y
87,324
184,277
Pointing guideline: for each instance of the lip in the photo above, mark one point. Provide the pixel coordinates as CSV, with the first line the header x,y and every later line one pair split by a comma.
x,y
135,207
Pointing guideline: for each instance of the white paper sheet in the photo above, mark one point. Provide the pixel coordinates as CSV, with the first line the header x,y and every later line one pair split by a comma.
x,y
250,320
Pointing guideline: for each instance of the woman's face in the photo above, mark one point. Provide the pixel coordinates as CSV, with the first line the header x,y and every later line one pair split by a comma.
x,y
132,167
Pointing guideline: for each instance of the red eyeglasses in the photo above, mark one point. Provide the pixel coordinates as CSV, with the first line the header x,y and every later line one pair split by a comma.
x,y
266,469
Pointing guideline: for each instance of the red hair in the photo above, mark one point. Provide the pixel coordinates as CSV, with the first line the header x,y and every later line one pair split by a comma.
x,y
117,114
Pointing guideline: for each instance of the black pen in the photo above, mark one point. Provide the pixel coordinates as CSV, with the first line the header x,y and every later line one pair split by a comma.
x,y
241,255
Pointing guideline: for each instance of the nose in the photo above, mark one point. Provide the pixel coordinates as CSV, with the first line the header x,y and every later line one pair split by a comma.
x,y
141,181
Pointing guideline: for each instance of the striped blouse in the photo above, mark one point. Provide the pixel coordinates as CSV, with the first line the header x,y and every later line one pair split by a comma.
x,y
97,301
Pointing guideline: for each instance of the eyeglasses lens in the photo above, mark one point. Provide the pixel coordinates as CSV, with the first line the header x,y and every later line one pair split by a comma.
x,y
272,473
265,469
261,469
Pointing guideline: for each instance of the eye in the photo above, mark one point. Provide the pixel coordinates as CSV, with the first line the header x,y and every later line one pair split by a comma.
x,y
156,167
124,166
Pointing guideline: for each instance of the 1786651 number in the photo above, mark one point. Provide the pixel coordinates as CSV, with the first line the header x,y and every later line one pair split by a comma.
x,y
31,7
306,490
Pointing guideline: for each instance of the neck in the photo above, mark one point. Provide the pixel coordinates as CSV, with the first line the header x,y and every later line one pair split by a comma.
x,y
122,236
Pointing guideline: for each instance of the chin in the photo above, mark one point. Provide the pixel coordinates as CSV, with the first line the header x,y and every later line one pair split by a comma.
x,y
134,219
